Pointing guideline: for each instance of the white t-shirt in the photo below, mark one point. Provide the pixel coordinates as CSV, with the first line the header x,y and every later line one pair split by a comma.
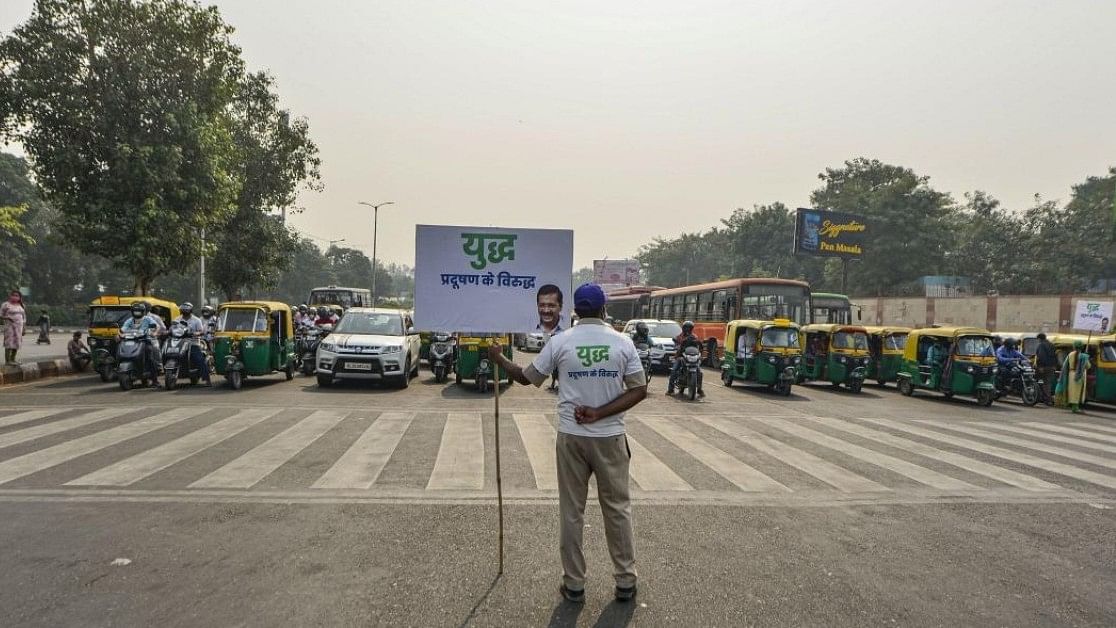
x,y
595,365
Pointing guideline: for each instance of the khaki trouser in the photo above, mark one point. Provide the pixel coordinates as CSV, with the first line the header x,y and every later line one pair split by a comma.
x,y
579,457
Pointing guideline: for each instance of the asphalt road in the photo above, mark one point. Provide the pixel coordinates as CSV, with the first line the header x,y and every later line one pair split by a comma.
x,y
285,504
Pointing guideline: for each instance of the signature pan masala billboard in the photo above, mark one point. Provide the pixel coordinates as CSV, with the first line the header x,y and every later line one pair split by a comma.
x,y
829,234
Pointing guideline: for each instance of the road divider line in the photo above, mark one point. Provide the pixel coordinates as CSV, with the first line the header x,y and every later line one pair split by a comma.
x,y
142,465
1069,430
56,427
650,473
1058,438
36,461
919,474
972,465
247,470
460,461
29,415
1007,454
838,477
539,437
360,466
723,463
1034,445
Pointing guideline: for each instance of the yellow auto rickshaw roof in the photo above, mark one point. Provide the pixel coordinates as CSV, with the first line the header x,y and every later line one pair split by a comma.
x,y
885,330
757,324
1067,340
832,328
117,300
948,332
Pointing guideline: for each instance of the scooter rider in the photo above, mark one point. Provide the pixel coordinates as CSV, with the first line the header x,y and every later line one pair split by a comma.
x,y
325,317
642,335
209,320
197,329
304,318
141,321
684,340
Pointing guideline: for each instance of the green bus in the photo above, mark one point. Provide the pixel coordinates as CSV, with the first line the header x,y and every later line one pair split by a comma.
x,y
829,307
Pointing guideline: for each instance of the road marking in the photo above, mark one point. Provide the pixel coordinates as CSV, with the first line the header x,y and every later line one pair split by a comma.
x,y
1099,428
910,470
1006,454
838,477
1070,430
1054,437
539,437
258,463
139,466
47,429
460,461
1035,445
1006,476
650,473
29,415
723,463
361,464
35,461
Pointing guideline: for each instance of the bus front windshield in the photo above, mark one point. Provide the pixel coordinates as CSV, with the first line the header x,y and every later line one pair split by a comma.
x,y
850,340
344,298
767,302
780,338
974,346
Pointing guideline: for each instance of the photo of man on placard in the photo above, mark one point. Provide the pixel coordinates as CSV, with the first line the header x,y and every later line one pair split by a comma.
x,y
548,300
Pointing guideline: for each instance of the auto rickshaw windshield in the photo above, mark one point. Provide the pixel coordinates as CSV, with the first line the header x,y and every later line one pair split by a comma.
x,y
850,340
896,342
974,345
109,316
373,323
242,319
779,337
1108,352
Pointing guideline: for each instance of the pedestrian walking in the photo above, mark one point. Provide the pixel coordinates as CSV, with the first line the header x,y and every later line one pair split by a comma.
x,y
79,353
602,378
1071,383
44,328
14,318
1046,367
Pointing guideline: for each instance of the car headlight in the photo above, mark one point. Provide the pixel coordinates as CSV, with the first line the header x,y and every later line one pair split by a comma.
x,y
327,346
392,349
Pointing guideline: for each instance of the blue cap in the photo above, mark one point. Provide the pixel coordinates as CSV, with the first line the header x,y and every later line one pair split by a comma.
x,y
589,296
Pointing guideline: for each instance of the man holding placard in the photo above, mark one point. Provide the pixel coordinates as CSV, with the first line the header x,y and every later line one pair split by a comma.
x,y
603,379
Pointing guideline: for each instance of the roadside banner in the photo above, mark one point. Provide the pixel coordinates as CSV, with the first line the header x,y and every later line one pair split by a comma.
x,y
825,233
615,273
1094,316
487,279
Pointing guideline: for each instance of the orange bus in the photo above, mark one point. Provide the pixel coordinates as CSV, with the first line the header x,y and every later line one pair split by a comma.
x,y
628,303
711,305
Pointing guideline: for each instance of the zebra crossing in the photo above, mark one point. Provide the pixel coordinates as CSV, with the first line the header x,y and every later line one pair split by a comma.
x,y
307,454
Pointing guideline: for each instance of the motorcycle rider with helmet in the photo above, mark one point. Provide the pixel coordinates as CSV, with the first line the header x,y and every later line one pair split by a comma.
x,y
197,329
209,320
142,320
325,316
303,318
1007,356
684,340
642,335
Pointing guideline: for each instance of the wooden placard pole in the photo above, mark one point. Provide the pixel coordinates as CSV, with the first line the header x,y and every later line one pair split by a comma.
x,y
499,486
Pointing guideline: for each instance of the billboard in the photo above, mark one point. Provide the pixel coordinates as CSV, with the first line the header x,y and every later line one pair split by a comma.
x,y
616,272
826,233
1094,316
488,279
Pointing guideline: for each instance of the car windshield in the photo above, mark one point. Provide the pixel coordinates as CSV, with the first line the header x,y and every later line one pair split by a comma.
x,y
108,316
242,319
974,345
1108,353
850,340
377,323
782,337
664,329
896,341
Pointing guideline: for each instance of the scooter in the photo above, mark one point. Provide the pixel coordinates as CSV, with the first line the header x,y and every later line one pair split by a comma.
x,y
690,377
308,347
644,352
176,356
131,359
442,356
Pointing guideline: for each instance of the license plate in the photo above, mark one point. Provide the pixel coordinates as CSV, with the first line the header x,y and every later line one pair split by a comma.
x,y
358,366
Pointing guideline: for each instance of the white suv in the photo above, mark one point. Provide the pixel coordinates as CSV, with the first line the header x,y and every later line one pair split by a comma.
x,y
370,343
662,335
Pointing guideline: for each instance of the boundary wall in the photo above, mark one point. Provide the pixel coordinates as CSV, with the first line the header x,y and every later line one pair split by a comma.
x,y
1049,313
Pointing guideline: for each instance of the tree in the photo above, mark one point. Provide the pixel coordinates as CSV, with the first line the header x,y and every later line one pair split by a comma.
x,y
122,107
14,238
990,245
762,245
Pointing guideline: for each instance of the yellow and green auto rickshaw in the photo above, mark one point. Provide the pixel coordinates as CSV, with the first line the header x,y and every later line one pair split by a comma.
x,y
835,353
764,352
473,363
1103,389
106,314
950,360
253,338
886,344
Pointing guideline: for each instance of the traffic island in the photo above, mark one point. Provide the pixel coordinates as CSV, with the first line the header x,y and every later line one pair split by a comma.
x,y
30,371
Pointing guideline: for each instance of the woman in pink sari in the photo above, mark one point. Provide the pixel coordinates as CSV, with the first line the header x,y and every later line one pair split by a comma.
x,y
14,317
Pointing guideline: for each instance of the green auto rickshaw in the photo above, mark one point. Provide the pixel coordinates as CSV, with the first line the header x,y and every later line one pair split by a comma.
x,y
473,363
763,352
1103,388
950,360
835,353
253,338
885,344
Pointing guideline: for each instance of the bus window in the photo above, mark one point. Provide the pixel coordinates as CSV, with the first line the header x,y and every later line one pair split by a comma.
x,y
690,311
705,307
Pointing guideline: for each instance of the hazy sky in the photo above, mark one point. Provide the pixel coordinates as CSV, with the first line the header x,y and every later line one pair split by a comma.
x,y
630,120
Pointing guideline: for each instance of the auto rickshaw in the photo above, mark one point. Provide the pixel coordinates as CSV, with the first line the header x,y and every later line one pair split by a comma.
x,y
1103,389
473,362
885,344
835,353
764,352
106,314
969,367
253,338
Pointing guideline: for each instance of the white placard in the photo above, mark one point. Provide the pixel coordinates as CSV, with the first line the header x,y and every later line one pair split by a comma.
x,y
487,279
1094,316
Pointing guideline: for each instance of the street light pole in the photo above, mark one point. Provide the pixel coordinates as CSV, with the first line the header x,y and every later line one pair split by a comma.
x,y
375,225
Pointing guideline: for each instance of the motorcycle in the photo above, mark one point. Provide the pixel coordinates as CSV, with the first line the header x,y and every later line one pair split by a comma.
x,y
176,353
690,377
131,359
441,356
644,352
307,350
1018,380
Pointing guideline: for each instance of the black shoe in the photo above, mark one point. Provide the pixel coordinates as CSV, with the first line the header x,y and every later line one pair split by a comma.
x,y
701,393
577,597
625,594
670,390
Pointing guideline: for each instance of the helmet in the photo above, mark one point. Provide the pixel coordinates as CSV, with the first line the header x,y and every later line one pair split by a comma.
x,y
302,308
1010,343
139,309
641,327
324,311
688,326
207,311
186,308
